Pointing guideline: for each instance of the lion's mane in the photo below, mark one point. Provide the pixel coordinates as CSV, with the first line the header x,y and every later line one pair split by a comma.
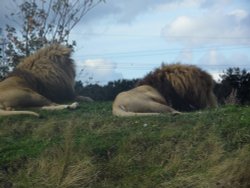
x,y
50,72
184,87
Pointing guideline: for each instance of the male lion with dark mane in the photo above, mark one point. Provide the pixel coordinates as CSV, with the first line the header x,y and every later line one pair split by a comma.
x,y
40,80
173,88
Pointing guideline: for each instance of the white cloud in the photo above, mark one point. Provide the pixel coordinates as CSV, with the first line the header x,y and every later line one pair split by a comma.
x,y
174,5
123,11
98,71
182,23
213,58
216,62
239,14
211,27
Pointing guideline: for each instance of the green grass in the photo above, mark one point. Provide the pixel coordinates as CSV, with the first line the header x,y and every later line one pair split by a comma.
x,y
89,147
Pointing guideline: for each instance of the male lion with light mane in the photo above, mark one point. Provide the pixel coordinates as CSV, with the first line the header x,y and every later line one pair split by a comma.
x,y
173,88
40,80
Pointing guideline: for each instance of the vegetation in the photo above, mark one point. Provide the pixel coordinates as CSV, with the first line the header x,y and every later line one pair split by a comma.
x,y
234,87
89,147
234,81
107,92
36,23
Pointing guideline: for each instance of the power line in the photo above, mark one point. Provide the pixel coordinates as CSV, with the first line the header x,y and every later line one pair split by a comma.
x,y
132,67
157,36
163,51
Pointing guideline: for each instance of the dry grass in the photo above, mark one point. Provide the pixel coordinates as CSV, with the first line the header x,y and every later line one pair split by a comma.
x,y
91,148
59,165
232,98
58,169
234,171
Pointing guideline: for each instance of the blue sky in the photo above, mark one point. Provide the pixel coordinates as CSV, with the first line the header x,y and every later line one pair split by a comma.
x,y
128,38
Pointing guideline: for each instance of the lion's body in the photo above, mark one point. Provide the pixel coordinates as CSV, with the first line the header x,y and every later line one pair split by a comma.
x,y
142,100
42,79
183,87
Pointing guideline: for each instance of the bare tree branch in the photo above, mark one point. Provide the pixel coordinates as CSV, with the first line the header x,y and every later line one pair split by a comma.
x,y
39,22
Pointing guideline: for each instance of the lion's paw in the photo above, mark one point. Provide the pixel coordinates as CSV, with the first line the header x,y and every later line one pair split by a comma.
x,y
73,106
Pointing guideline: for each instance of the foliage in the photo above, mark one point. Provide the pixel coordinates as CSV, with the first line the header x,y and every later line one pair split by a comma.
x,y
234,80
234,88
41,22
107,92
3,67
89,147
3,71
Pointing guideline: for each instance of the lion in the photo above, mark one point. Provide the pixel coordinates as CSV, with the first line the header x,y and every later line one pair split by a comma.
x,y
142,100
41,80
178,87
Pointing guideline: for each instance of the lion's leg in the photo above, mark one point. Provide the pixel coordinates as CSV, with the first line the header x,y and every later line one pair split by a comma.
x,y
14,112
148,108
55,106
17,97
38,100
142,109
45,104
21,97
160,108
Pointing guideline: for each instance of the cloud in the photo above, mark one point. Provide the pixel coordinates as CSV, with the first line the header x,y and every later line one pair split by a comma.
x,y
97,71
123,11
216,62
239,14
213,58
212,27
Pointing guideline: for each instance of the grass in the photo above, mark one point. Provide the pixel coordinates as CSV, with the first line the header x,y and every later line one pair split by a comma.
x,y
89,147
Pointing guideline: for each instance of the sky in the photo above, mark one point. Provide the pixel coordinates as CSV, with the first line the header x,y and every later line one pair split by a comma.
x,y
126,39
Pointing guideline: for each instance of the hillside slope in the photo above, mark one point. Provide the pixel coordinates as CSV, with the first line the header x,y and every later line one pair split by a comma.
x,y
89,147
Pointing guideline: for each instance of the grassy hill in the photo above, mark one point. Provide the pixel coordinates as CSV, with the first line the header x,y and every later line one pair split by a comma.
x,y
89,147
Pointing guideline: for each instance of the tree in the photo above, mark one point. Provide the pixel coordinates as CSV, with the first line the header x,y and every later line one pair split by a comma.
x,y
3,67
107,92
41,22
235,79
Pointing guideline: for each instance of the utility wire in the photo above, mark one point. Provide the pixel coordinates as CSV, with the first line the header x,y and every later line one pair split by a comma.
x,y
134,67
157,36
163,51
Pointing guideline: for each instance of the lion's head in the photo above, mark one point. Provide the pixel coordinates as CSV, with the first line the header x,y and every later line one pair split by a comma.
x,y
50,72
185,87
